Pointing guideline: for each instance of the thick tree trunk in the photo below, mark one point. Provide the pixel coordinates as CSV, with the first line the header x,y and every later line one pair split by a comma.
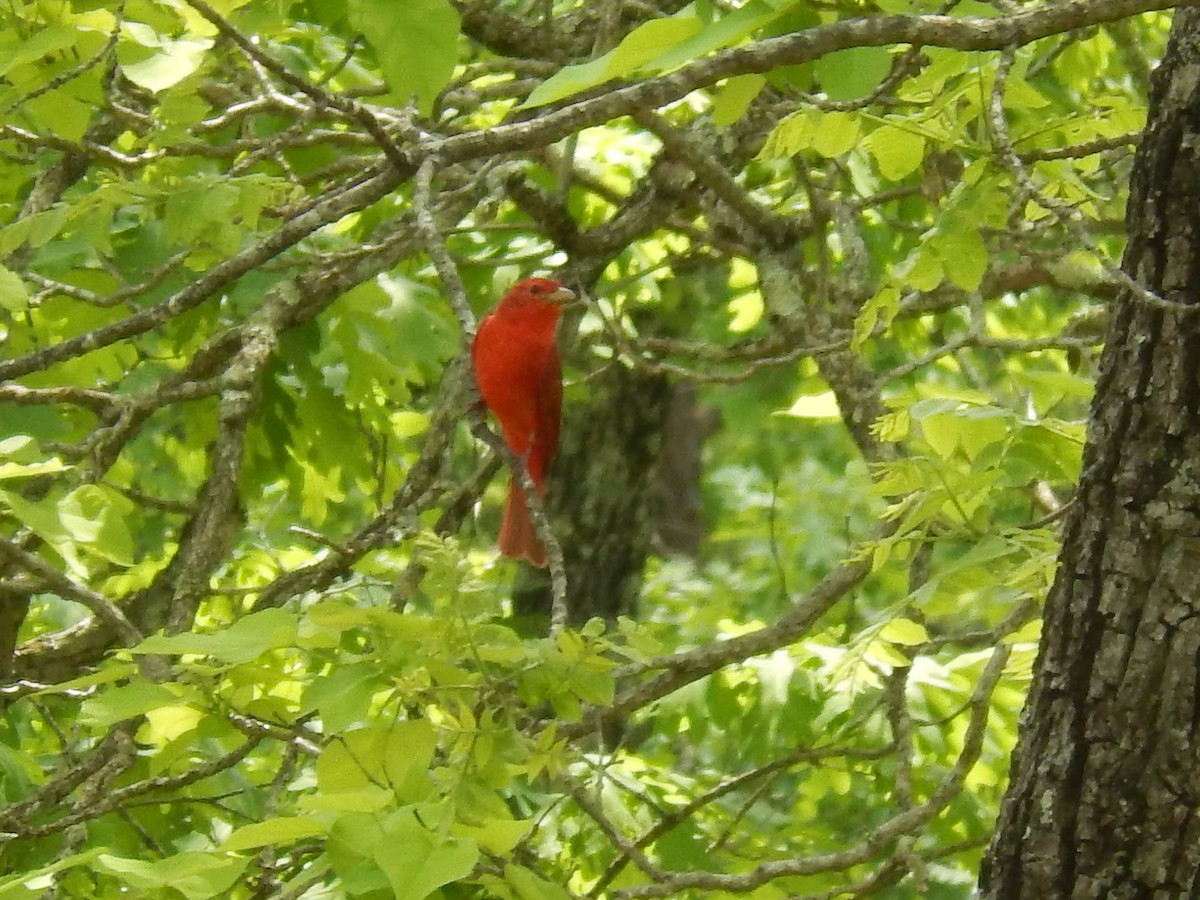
x,y
1106,779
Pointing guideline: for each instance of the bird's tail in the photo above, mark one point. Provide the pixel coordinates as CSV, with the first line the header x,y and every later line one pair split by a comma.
x,y
517,536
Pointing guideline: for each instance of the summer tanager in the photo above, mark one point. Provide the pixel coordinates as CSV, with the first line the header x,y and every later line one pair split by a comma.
x,y
520,379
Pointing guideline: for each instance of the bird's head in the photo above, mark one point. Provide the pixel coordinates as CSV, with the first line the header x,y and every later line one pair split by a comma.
x,y
539,291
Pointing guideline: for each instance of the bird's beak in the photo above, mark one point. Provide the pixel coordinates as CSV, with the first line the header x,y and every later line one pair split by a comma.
x,y
562,296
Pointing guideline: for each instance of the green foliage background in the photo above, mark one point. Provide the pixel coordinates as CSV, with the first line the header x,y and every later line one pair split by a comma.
x,y
253,660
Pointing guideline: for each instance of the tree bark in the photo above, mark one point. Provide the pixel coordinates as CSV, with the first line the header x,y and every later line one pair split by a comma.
x,y
1106,777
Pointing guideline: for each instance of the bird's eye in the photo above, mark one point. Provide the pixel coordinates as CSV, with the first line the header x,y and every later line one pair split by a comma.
x,y
535,289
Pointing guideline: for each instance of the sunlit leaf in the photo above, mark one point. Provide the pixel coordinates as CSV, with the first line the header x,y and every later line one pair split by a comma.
x,y
852,73
197,876
815,406
836,133
734,98
246,639
416,41
13,294
172,61
127,701
898,151
281,830
416,865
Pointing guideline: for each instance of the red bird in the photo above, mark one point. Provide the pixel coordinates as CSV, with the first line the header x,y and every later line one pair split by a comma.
x,y
520,379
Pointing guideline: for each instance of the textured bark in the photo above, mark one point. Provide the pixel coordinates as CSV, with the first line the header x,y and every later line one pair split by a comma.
x,y
14,607
1105,780
679,526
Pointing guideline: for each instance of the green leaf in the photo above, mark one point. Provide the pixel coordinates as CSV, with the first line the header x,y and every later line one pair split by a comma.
x,y
169,723
174,60
335,617
497,836
725,31
22,448
198,876
747,310
931,82
985,552
849,74
342,697
567,81
640,46
319,488
963,256
1051,388
984,426
1020,94
279,830
837,133
21,457
398,755
17,886
406,423
42,519
879,311
923,270
405,319
822,406
734,97
369,799
340,768
897,151
789,137
592,686
942,432
647,42
44,41
416,42
245,640
409,756
351,845
416,866
109,672
98,517
13,295
120,703
829,133
531,886
904,631
15,234
1047,450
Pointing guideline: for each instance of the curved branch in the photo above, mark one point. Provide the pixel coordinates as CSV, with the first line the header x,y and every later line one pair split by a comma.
x,y
950,32
294,230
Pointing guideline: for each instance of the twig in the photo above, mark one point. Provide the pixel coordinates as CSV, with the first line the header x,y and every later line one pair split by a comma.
x,y
100,606
119,796
341,103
